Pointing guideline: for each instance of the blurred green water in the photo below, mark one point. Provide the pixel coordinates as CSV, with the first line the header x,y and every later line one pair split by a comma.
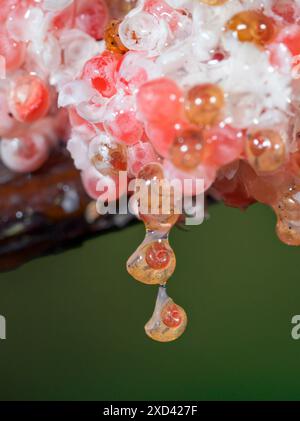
x,y
75,321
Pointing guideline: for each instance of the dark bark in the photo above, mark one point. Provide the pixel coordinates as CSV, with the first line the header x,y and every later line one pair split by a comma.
x,y
47,212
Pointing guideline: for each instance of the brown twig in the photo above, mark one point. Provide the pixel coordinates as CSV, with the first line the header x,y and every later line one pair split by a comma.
x,y
47,212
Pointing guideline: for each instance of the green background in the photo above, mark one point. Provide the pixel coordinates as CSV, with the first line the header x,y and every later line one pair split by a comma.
x,y
75,320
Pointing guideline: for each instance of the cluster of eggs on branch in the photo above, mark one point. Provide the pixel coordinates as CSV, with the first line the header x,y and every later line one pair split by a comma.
x,y
177,89
187,90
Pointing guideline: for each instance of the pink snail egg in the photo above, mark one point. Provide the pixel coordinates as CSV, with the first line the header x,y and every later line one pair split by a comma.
x,y
100,71
63,18
139,155
158,8
29,99
222,145
133,71
162,137
162,10
121,122
26,153
160,101
92,17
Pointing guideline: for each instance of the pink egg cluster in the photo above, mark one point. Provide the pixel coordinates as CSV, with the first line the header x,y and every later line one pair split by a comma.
x,y
177,89
193,89
43,45
207,89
